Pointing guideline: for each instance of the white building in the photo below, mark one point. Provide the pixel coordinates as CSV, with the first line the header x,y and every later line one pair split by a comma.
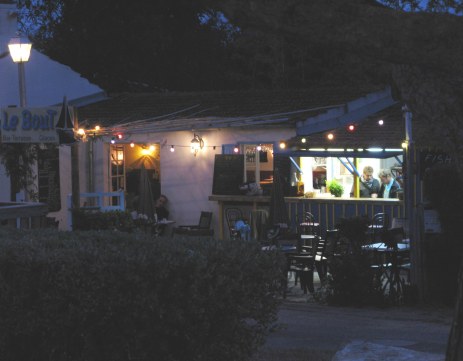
x,y
47,83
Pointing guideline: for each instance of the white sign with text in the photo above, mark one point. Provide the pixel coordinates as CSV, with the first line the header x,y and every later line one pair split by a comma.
x,y
29,125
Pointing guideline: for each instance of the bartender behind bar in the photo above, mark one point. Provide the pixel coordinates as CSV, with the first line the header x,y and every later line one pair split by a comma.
x,y
368,186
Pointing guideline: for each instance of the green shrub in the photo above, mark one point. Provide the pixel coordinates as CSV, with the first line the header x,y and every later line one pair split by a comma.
x,y
113,296
86,220
335,188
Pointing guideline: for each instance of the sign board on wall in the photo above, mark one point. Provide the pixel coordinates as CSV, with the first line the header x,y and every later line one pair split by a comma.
x,y
430,159
48,178
228,174
29,125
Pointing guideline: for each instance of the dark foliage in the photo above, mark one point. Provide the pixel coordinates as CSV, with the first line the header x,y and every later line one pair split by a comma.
x,y
352,281
110,296
18,160
184,45
444,189
87,220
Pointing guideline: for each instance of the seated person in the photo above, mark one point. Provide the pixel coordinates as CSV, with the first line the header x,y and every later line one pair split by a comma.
x,y
161,212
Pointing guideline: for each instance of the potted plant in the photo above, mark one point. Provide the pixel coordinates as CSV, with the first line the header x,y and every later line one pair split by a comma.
x,y
335,188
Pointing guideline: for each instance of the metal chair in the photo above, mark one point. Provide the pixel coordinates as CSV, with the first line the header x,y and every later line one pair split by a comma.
x,y
309,226
379,223
308,230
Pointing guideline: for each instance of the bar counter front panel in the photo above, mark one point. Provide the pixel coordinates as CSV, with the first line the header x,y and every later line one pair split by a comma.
x,y
327,211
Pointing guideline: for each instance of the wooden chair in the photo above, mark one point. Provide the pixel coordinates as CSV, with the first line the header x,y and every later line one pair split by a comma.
x,y
202,229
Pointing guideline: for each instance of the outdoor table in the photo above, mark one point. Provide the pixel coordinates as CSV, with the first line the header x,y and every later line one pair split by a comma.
x,y
162,222
387,259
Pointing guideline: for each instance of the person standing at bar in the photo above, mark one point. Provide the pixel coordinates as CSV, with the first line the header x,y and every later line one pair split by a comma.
x,y
389,186
368,186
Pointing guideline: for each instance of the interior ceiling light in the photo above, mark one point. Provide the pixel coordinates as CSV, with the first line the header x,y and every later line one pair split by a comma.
x,y
380,122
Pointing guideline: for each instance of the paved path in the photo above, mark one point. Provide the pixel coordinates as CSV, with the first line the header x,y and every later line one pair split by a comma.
x,y
403,332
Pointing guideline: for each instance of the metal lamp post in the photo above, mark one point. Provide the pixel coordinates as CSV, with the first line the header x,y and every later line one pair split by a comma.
x,y
20,50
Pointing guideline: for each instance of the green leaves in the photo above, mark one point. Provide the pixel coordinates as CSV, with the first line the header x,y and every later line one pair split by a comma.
x,y
118,296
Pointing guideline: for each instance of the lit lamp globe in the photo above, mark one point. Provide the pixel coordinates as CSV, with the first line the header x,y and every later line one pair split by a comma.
x,y
20,49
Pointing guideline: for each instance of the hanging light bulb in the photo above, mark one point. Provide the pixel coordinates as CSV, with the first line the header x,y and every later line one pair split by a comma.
x,y
351,127
132,145
236,149
330,136
172,149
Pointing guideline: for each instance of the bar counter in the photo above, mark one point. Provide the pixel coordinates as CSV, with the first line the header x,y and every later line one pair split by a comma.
x,y
326,209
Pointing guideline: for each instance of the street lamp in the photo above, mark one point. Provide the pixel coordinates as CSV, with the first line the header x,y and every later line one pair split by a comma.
x,y
20,50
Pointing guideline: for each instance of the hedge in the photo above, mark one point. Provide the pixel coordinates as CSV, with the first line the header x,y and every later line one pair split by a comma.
x,y
113,296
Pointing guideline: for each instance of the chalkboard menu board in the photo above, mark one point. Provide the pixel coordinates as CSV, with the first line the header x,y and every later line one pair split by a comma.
x,y
228,174
283,164
48,178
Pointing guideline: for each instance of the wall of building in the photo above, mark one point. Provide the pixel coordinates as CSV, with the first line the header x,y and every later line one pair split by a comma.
x,y
47,83
185,179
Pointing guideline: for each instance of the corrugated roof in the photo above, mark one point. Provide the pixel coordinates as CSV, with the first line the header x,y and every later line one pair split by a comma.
x,y
217,109
367,134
